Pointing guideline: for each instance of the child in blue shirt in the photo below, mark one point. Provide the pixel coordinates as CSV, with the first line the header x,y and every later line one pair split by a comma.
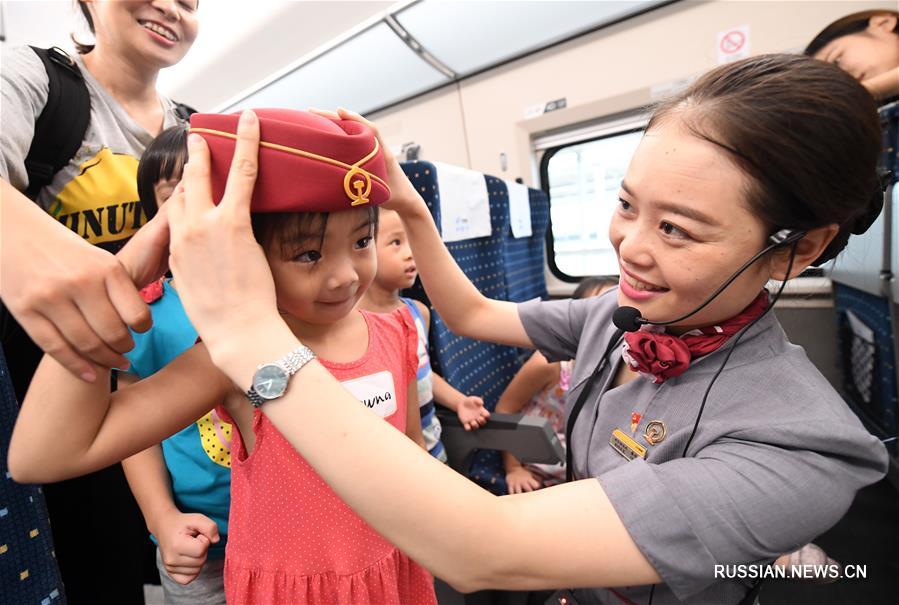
x,y
182,485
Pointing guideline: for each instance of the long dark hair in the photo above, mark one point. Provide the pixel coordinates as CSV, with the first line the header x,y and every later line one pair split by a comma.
x,y
850,24
805,132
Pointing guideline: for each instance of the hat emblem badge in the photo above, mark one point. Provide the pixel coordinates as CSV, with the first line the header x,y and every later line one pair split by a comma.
x,y
357,189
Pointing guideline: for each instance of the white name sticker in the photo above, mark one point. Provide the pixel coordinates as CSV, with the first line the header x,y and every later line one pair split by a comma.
x,y
375,391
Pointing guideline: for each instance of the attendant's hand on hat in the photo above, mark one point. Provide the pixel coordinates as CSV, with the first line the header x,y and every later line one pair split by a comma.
x,y
403,196
223,277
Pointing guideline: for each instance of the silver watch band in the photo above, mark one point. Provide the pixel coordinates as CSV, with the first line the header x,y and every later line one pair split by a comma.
x,y
256,400
296,359
290,364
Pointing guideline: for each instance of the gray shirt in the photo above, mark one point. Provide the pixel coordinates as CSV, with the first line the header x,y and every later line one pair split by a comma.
x,y
776,460
95,195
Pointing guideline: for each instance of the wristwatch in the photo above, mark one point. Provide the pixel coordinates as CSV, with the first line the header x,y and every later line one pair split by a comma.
x,y
270,380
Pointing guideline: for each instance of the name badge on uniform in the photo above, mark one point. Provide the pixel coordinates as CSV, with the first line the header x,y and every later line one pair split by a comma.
x,y
375,391
627,447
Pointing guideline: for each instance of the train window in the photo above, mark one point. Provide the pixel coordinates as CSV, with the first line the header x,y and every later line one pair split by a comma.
x,y
582,180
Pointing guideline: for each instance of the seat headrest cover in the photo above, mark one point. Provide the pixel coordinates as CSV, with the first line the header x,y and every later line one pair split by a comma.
x,y
307,163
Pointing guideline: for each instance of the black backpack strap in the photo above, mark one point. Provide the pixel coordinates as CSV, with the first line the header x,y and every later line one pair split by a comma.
x,y
59,130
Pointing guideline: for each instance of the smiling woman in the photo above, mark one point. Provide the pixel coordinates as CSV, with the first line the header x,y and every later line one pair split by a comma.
x,y
92,194
777,457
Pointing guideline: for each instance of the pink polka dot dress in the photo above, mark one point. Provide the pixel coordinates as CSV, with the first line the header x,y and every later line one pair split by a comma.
x,y
292,540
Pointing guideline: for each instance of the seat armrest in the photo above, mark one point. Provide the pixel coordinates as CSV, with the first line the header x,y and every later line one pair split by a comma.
x,y
528,438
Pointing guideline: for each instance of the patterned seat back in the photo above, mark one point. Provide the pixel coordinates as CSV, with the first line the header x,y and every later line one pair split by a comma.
x,y
524,256
867,310
867,358
474,367
525,278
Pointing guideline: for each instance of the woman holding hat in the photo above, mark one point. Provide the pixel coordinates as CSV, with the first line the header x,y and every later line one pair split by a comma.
x,y
60,281
740,450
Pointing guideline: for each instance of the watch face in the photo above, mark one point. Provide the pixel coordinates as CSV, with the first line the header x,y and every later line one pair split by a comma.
x,y
270,381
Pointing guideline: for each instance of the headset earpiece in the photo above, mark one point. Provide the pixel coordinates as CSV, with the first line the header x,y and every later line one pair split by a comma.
x,y
785,237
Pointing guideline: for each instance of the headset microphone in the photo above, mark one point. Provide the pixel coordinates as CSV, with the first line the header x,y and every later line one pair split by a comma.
x,y
630,320
627,319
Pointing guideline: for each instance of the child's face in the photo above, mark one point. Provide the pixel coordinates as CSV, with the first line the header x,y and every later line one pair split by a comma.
x,y
163,189
322,279
868,53
396,267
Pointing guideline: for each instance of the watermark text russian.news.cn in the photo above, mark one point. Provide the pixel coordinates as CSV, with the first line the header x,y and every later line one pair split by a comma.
x,y
748,571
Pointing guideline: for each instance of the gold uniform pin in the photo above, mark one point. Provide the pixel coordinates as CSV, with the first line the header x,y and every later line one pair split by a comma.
x,y
627,447
655,432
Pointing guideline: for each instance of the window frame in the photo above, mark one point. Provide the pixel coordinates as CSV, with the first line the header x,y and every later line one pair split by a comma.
x,y
636,124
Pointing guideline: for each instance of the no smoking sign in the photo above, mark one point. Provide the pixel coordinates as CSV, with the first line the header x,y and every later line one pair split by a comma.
x,y
733,44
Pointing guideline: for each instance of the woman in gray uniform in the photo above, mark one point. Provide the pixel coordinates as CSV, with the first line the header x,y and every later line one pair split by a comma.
x,y
732,449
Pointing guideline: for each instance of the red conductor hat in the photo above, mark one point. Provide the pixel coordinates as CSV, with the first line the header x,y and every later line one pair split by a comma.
x,y
307,163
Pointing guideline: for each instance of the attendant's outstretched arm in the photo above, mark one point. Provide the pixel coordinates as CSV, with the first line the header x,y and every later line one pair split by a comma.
x,y
465,310
494,542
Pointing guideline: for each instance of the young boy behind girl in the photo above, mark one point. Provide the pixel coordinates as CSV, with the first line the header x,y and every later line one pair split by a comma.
x,y
396,271
183,484
291,538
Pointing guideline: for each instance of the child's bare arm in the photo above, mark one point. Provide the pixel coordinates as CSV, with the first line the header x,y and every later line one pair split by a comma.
x,y
413,416
148,476
469,408
534,376
68,427
149,482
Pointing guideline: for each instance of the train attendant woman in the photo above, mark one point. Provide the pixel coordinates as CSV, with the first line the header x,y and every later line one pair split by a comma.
x,y
741,450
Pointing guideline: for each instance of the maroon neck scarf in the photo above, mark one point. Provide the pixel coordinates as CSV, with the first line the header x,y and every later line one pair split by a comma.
x,y
659,356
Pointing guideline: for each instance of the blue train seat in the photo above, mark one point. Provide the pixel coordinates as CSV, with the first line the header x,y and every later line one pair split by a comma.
x,y
865,342
474,367
866,299
525,278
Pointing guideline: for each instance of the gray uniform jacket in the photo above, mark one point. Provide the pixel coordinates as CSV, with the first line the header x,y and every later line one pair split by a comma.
x,y
776,460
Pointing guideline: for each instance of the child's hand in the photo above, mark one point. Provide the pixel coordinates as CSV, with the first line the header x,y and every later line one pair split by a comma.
x,y
472,413
184,540
403,196
520,480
